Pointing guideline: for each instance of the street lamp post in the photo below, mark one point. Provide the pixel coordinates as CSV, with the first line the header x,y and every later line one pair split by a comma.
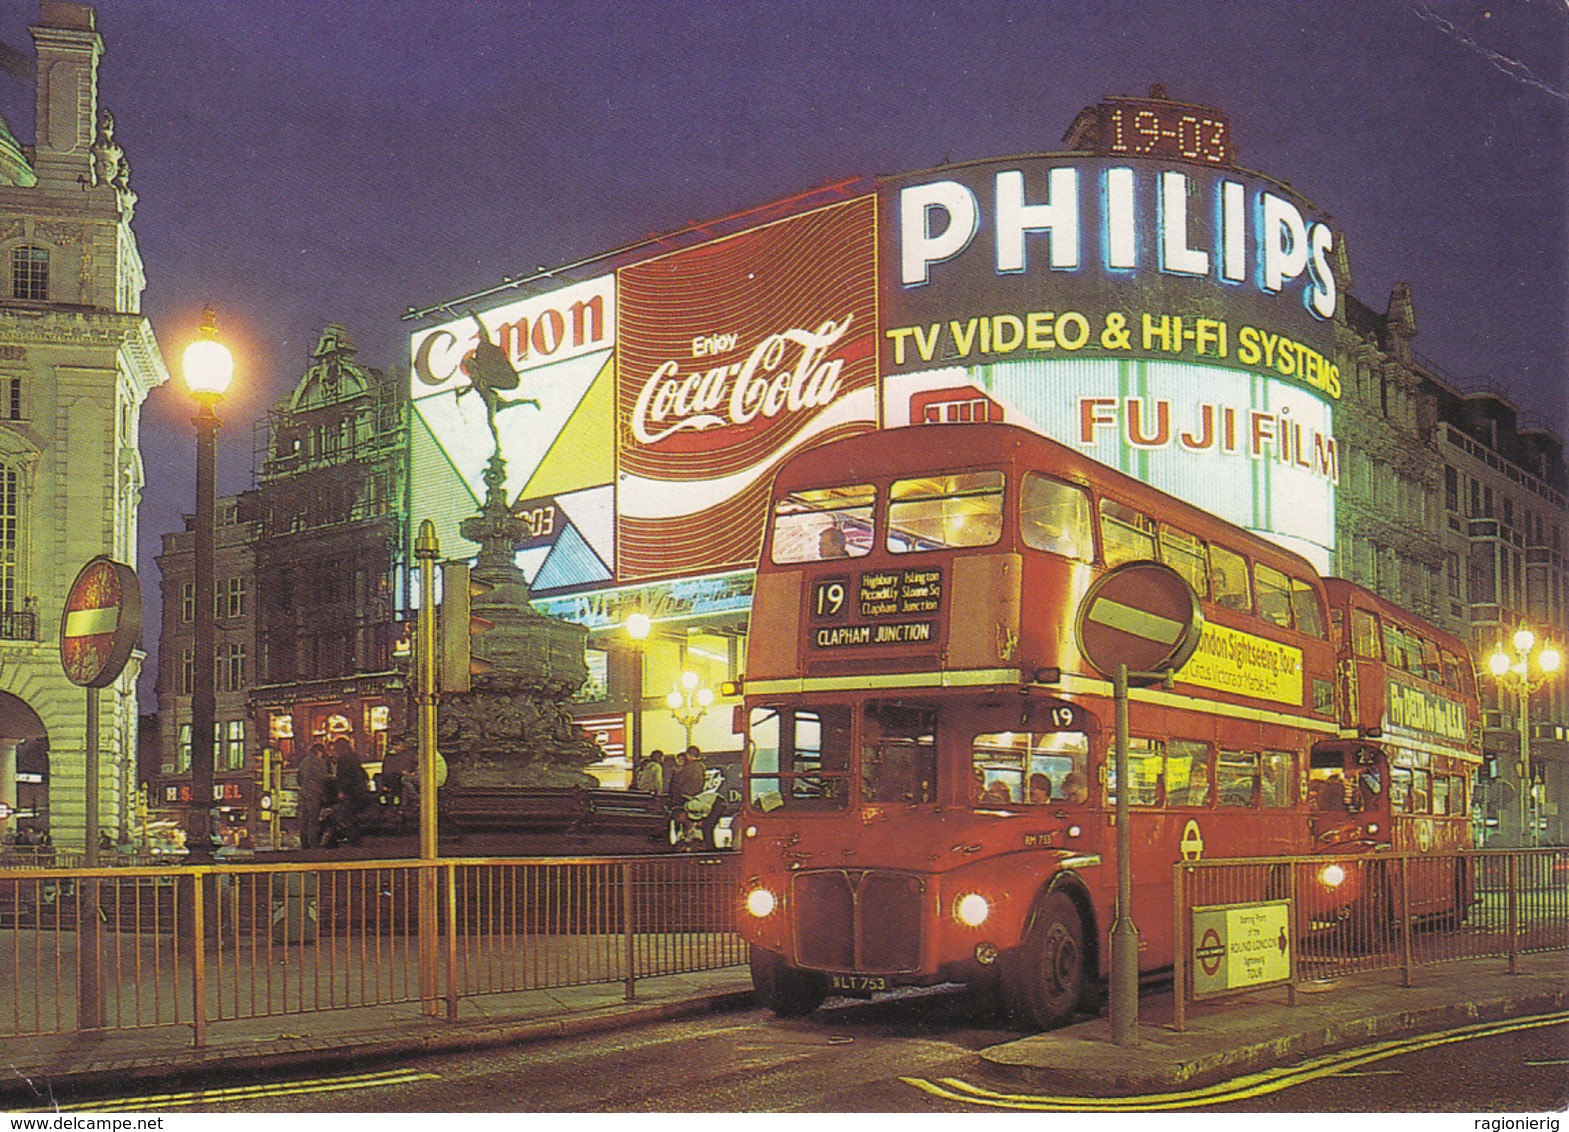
x,y
690,702
208,367
638,627
1524,673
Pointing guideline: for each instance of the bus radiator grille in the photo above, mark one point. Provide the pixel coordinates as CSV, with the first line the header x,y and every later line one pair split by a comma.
x,y
862,920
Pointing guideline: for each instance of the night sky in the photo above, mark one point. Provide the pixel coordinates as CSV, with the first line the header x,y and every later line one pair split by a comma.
x,y
301,162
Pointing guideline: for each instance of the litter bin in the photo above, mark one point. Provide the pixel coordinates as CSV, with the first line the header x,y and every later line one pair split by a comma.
x,y
294,908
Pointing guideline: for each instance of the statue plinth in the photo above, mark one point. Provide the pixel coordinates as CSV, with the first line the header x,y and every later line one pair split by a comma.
x,y
513,728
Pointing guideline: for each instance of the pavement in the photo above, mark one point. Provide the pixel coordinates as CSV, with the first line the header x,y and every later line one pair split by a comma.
x,y
1224,1037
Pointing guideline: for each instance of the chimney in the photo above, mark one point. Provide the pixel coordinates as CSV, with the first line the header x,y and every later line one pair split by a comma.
x,y
68,46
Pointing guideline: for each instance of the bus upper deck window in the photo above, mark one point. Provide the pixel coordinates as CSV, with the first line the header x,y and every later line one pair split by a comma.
x,y
1055,517
1274,595
936,512
823,523
1365,635
1306,610
1186,555
1228,579
1125,534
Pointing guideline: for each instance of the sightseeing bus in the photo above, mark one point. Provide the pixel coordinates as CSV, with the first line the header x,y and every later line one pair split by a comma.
x,y
1400,773
930,784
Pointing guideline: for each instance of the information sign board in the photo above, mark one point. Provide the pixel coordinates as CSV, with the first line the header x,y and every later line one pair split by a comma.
x,y
1240,947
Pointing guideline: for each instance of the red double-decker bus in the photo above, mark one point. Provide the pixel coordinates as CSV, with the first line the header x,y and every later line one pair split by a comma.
x,y
931,785
1399,775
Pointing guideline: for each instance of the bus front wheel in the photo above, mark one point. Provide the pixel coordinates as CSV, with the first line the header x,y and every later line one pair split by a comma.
x,y
788,991
1047,977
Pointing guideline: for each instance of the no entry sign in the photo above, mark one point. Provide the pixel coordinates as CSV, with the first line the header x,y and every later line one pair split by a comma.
x,y
1142,614
101,624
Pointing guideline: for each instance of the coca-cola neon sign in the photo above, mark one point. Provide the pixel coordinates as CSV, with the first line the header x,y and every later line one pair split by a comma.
x,y
733,354
787,372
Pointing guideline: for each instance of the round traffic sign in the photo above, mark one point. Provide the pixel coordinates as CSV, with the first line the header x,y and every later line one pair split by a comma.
x,y
1141,614
101,623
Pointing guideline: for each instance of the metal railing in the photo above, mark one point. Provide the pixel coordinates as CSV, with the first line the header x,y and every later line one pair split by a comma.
x,y
1385,912
131,948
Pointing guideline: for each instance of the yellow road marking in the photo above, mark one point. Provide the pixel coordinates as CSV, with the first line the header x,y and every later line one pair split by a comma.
x,y
244,1092
1238,1088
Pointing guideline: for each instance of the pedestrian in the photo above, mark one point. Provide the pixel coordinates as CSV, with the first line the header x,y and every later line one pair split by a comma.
x,y
650,776
687,783
315,778
351,811
402,760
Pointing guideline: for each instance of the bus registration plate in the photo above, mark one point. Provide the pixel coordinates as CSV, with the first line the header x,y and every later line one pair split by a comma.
x,y
860,984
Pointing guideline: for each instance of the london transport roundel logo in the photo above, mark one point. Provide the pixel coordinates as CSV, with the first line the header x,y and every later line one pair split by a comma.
x,y
101,623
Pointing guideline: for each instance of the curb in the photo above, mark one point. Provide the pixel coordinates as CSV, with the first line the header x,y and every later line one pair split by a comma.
x,y
194,1064
1173,1068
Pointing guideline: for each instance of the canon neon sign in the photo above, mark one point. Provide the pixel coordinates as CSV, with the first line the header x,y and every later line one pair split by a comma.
x,y
533,332
1181,223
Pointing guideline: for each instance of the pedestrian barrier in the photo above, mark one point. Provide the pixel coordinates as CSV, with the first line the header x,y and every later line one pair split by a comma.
x,y
130,948
1242,925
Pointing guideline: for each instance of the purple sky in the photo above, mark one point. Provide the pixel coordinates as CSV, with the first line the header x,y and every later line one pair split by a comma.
x,y
307,161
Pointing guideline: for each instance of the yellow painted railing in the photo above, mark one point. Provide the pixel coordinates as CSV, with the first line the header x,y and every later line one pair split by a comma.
x,y
126,948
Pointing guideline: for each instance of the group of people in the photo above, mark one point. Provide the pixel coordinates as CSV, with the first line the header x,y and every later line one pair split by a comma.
x,y
336,803
1038,790
681,778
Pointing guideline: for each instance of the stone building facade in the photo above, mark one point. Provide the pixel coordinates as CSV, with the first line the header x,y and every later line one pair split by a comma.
x,y
235,746
1454,508
77,361
329,508
310,575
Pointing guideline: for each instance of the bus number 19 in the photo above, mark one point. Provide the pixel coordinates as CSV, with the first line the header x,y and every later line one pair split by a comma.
x,y
1062,718
829,601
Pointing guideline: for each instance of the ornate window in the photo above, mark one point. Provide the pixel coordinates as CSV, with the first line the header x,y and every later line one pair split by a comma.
x,y
234,745
10,536
30,272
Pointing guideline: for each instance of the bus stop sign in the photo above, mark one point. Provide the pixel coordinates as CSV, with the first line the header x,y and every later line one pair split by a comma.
x,y
1141,614
101,623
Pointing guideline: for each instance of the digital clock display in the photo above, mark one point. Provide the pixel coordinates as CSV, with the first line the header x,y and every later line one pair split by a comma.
x,y
1172,131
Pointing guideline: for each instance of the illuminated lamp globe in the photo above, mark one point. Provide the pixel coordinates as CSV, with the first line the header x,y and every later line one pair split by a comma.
x,y
705,697
639,625
1550,660
208,367
1498,664
1524,639
689,680
673,701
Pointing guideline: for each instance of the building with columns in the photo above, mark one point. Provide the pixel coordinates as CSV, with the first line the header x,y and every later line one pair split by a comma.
x,y
77,361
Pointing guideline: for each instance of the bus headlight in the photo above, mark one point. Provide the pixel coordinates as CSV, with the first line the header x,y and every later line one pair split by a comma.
x,y
1372,827
971,910
1331,876
760,902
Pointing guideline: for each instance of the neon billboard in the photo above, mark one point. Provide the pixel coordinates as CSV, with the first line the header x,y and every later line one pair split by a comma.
x,y
732,355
